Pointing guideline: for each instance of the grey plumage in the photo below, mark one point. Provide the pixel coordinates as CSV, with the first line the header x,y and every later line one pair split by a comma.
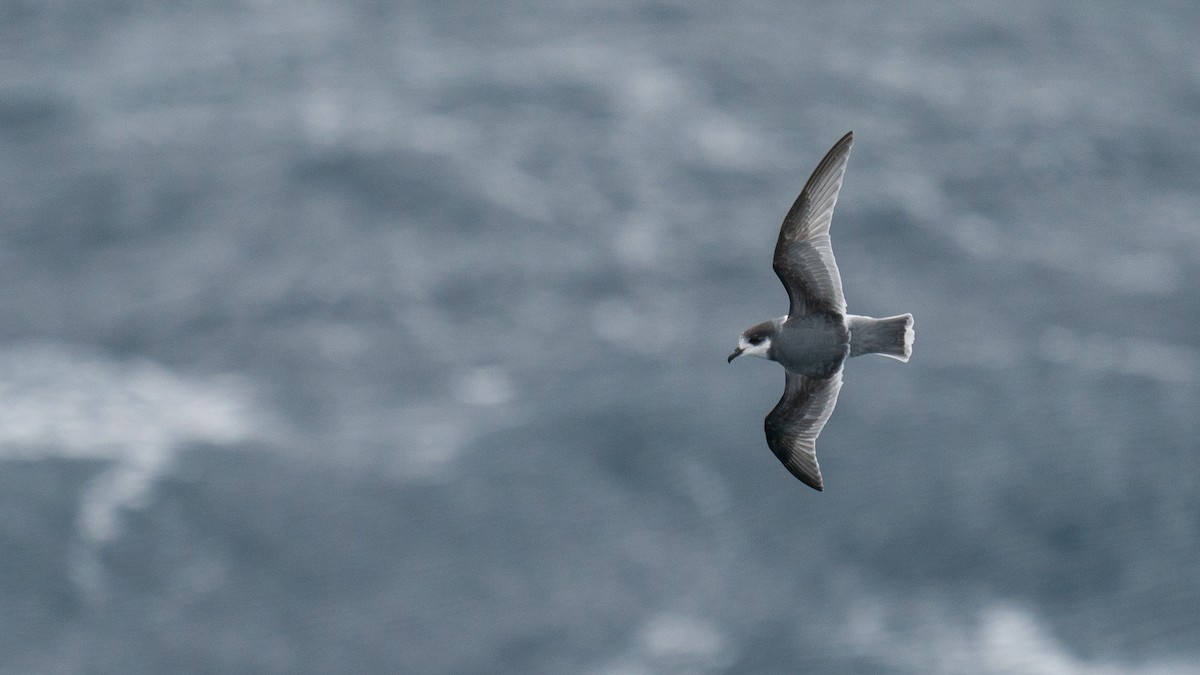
x,y
804,254
816,337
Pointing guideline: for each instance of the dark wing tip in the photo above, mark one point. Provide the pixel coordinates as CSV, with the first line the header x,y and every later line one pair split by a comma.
x,y
812,480
843,144
800,463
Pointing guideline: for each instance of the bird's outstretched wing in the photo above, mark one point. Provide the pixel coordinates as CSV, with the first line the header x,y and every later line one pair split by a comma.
x,y
796,421
803,255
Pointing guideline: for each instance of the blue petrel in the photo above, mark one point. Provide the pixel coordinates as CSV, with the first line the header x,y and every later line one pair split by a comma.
x,y
817,336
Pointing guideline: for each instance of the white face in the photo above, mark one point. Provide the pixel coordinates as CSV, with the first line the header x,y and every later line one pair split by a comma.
x,y
750,349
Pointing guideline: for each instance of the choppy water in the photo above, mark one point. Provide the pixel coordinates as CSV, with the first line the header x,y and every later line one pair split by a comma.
x,y
370,337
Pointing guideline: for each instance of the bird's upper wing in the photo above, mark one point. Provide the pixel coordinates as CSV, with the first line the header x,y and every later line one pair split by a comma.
x,y
793,425
803,255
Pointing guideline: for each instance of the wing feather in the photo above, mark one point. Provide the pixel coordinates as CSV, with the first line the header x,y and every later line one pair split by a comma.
x,y
793,425
803,254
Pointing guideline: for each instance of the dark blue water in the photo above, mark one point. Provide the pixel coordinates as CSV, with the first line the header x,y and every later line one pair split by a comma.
x,y
371,337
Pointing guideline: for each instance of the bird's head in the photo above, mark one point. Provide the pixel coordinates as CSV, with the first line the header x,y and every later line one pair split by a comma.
x,y
756,340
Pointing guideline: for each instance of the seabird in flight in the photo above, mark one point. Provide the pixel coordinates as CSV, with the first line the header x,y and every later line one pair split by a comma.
x,y
813,341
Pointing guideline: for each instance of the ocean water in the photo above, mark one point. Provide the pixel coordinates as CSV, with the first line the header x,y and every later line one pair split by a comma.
x,y
390,337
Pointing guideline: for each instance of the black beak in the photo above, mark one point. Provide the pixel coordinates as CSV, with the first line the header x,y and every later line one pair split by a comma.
x,y
736,353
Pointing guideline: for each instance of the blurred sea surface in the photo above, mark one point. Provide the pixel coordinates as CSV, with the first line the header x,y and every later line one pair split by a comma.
x,y
390,337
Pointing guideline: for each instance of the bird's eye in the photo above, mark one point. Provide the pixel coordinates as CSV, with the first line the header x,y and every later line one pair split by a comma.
x,y
757,339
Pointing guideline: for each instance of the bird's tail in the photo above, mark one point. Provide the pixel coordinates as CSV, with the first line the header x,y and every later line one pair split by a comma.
x,y
891,337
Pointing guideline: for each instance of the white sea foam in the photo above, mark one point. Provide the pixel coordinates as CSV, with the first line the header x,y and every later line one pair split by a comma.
x,y
672,642
483,386
1003,638
1143,357
57,401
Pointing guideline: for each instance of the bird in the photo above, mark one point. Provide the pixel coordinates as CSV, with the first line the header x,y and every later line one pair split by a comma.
x,y
814,339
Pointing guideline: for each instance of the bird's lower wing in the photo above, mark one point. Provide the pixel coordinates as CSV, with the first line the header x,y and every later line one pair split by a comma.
x,y
793,425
